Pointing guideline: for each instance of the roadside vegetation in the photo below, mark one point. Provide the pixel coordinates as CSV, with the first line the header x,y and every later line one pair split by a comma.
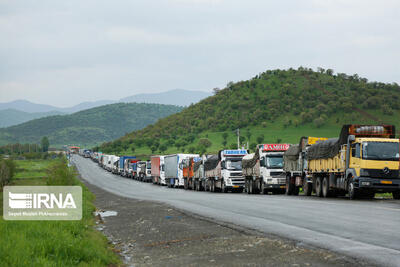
x,y
52,243
277,106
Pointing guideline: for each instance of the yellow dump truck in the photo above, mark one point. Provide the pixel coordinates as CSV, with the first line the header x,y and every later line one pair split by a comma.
x,y
364,160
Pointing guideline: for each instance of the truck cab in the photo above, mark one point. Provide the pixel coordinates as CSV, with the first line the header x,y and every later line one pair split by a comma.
x,y
231,170
271,167
373,161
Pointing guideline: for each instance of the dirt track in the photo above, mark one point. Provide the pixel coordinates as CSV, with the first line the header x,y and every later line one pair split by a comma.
x,y
149,233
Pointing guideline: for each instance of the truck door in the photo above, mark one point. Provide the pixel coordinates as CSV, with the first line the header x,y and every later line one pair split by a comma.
x,y
355,160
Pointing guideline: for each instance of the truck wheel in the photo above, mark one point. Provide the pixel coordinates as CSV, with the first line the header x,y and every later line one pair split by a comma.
x,y
307,187
396,195
325,187
223,187
289,186
185,184
353,192
212,186
251,189
318,187
262,187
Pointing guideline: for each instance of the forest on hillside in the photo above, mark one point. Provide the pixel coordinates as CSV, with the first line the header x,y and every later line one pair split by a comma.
x,y
291,98
90,126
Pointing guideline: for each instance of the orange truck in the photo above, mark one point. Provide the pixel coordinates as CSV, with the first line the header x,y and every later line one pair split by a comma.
x,y
188,172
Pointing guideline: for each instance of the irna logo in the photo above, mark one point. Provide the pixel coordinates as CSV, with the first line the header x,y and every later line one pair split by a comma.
x,y
40,201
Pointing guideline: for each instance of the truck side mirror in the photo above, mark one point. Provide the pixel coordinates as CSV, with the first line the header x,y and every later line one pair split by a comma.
x,y
262,161
223,164
352,138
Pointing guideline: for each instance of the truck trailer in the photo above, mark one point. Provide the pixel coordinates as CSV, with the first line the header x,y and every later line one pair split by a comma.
x,y
224,171
158,170
188,172
364,160
174,169
263,170
121,164
295,166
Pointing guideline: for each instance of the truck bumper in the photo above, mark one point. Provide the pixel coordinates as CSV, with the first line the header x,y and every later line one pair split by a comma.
x,y
275,186
380,185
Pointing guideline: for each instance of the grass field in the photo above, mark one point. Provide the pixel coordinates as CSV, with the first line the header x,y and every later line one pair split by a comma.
x,y
52,243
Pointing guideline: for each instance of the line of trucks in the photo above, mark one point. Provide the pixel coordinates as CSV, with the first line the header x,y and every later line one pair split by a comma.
x,y
362,161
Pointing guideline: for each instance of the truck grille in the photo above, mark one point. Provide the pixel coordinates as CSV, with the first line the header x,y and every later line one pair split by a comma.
x,y
237,181
277,174
377,173
236,174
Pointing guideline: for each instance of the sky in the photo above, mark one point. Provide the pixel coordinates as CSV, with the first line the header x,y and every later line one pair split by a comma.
x,y
66,52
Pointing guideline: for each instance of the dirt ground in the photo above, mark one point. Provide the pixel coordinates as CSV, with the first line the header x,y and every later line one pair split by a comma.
x,y
148,233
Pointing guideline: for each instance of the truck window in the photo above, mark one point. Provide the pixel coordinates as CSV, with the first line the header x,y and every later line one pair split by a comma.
x,y
274,162
381,151
355,150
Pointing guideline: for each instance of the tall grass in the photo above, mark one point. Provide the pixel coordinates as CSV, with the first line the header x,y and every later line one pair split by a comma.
x,y
55,243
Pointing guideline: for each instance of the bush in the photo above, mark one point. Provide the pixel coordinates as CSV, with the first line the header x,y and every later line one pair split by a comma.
x,y
7,171
59,173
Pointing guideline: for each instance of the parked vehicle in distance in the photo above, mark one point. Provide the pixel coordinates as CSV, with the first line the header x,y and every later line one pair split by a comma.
x,y
132,168
295,166
158,170
121,164
364,160
188,172
224,171
174,169
263,170
114,164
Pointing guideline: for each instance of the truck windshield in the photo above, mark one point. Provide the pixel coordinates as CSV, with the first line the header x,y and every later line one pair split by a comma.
x,y
380,150
234,164
274,162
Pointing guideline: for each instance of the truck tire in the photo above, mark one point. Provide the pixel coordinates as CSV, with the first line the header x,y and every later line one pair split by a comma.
x,y
262,187
223,187
318,187
396,195
296,190
325,187
289,186
307,187
212,186
185,184
353,192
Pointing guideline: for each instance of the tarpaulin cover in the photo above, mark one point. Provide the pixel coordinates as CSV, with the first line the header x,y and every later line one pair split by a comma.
x,y
292,153
249,161
325,149
197,165
211,163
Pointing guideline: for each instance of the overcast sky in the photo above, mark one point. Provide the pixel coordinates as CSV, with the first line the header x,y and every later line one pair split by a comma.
x,y
67,52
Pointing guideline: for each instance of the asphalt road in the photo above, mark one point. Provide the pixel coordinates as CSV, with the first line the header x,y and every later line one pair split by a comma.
x,y
365,229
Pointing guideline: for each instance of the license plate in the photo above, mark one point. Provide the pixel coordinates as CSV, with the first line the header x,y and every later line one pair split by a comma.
x,y
283,186
386,182
235,186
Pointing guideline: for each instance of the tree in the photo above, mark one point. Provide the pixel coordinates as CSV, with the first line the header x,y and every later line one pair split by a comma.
x,y
45,144
225,135
205,142
191,149
162,148
260,139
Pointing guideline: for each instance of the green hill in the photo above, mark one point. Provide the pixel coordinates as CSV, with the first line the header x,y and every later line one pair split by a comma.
x,y
88,127
9,117
274,106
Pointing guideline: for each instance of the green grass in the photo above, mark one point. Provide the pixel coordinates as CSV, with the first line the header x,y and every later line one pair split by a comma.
x,y
53,243
31,168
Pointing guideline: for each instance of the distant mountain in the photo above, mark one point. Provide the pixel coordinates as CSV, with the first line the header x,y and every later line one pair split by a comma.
x,y
178,97
86,105
10,117
27,106
88,127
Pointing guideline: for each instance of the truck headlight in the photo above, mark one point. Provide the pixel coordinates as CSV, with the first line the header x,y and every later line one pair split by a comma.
x,y
366,183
